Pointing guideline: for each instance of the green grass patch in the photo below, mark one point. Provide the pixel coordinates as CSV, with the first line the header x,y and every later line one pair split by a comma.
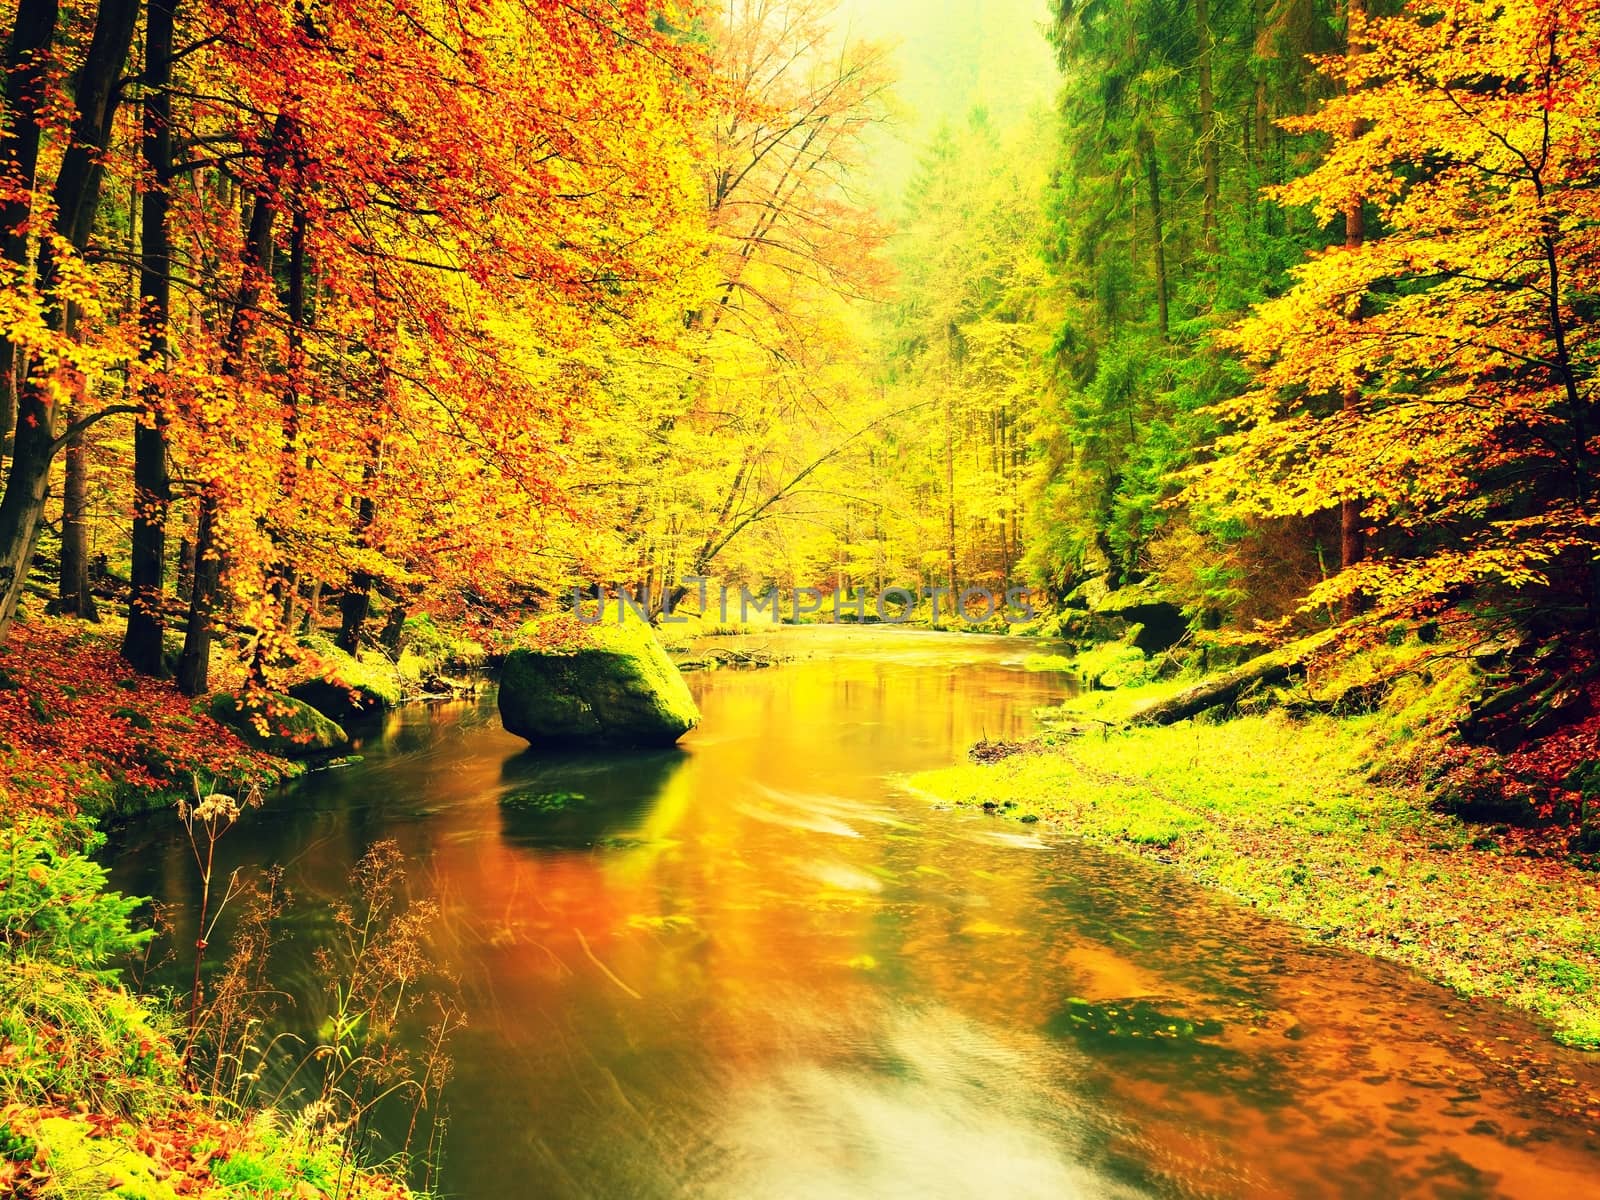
x,y
1304,818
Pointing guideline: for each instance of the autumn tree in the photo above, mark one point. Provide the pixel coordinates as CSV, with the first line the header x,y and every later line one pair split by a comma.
x,y
770,364
48,299
965,346
1158,239
371,252
1467,438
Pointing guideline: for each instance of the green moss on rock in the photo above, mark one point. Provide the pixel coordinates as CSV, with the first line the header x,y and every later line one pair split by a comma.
x,y
349,686
602,686
436,649
280,725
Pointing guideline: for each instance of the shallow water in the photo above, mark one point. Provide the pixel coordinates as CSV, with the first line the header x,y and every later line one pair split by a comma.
x,y
760,966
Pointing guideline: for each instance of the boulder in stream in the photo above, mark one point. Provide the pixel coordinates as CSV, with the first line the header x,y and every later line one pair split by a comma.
x,y
609,685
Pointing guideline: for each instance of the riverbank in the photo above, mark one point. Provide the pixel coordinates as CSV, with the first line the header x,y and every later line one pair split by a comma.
x,y
102,1092
1312,820
96,1096
81,732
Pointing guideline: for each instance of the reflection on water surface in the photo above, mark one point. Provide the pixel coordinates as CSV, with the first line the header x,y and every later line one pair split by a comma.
x,y
757,967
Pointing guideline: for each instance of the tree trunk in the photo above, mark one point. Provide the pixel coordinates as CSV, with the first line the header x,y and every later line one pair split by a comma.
x,y
949,497
354,606
313,608
1352,538
1262,114
279,580
953,354
194,666
1269,669
356,601
1152,175
77,197
143,640
291,593
32,34
185,582
393,627
73,595
1209,158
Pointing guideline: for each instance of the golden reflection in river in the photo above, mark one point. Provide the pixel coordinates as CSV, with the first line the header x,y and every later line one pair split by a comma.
x,y
757,967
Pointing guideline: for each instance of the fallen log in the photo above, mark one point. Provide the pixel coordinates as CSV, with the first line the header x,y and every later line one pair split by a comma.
x,y
1266,670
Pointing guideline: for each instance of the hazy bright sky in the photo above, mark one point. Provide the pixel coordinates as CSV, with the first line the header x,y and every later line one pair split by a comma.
x,y
953,55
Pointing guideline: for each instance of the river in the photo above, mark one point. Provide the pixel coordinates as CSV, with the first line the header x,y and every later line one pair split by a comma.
x,y
762,967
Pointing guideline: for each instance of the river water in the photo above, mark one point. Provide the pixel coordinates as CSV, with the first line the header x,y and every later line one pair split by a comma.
x,y
761,967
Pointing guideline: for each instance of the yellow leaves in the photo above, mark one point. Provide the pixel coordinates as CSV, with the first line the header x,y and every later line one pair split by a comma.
x,y
1422,373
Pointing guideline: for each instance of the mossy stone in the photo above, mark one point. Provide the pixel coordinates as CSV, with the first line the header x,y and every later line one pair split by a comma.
x,y
354,686
295,729
134,717
614,687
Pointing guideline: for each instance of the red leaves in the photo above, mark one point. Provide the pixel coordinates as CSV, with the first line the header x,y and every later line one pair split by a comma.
x,y
73,718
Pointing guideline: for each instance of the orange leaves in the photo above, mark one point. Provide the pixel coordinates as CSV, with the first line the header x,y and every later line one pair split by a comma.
x,y
480,194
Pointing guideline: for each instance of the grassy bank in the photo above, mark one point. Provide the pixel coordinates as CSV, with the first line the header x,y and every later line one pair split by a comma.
x,y
108,1093
1315,821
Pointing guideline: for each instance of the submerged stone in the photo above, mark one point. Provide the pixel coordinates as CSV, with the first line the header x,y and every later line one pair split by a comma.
x,y
534,801
612,686
1133,1021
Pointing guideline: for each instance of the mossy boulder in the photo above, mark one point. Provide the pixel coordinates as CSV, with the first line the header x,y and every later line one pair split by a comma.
x,y
1112,665
349,687
433,649
602,686
1149,619
292,728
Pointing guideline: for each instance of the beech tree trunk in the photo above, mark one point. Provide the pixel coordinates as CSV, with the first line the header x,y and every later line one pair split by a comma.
x,y
194,665
1261,114
184,584
313,608
143,640
1208,130
280,572
1352,539
393,627
354,606
77,197
356,601
1275,667
1152,175
32,34
72,593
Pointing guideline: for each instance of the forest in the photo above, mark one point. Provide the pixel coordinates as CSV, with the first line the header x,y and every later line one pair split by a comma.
x,y
350,348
